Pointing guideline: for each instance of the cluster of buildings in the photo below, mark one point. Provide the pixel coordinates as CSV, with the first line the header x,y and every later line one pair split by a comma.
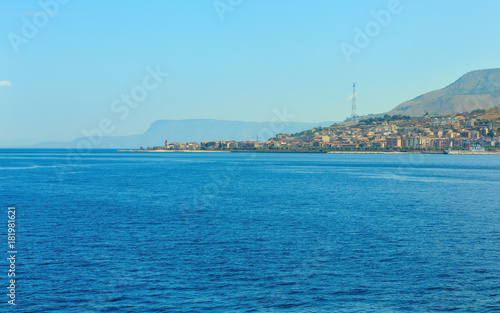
x,y
424,133
216,145
419,133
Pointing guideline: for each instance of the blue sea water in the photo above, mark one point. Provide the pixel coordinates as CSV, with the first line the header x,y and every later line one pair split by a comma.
x,y
236,232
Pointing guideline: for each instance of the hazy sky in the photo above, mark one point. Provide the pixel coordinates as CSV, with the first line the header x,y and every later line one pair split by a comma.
x,y
65,67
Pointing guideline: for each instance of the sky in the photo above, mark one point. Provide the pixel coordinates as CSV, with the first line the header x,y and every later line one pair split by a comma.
x,y
68,67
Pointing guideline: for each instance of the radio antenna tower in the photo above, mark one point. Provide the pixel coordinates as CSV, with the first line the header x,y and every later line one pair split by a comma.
x,y
354,112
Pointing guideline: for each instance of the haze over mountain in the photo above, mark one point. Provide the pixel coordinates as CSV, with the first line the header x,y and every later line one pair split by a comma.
x,y
474,90
190,130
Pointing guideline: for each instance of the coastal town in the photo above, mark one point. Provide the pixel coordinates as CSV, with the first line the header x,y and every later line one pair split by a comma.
x,y
475,131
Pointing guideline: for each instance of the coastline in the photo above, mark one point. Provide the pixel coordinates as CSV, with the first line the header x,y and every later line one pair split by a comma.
x,y
459,152
453,152
210,151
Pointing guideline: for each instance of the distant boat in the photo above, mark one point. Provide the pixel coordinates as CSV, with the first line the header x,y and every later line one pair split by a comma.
x,y
446,151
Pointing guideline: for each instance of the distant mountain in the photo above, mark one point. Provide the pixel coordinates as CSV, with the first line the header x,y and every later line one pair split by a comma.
x,y
475,90
193,130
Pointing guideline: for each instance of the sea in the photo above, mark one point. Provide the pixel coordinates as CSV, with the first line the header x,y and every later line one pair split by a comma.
x,y
109,231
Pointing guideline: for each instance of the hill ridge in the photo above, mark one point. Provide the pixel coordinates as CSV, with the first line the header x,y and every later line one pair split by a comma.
x,y
478,89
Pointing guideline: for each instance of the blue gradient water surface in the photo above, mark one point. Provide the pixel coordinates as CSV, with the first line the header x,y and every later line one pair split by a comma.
x,y
233,232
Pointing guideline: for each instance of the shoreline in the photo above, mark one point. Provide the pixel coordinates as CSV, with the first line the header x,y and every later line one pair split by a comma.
x,y
453,152
210,151
459,152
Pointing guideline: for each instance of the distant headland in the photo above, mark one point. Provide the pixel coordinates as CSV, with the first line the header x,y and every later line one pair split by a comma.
x,y
469,133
